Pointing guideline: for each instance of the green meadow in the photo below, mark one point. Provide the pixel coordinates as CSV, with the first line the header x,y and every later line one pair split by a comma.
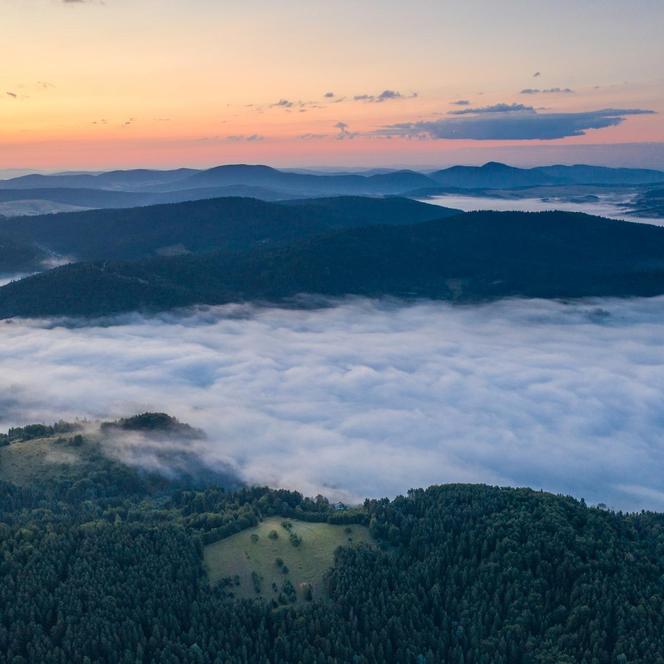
x,y
260,561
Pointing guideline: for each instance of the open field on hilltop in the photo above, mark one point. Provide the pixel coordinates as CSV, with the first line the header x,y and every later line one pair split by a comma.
x,y
38,460
255,552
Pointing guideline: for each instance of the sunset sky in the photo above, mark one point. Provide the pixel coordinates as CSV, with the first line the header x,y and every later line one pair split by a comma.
x,y
124,83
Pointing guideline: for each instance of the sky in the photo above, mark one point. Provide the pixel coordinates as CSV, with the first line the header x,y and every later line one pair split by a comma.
x,y
120,83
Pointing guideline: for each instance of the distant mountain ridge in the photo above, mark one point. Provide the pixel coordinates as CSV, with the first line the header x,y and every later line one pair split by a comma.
x,y
494,175
149,187
265,176
113,180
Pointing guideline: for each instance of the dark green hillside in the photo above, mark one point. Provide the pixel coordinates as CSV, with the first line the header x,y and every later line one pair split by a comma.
x,y
206,225
459,574
16,256
466,258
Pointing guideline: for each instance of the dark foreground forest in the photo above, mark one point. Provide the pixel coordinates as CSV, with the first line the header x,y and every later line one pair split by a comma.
x,y
109,568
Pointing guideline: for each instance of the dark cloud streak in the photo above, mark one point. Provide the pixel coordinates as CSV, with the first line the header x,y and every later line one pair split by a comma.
x,y
515,122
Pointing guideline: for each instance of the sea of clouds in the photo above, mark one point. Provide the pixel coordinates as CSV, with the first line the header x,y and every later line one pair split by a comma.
x,y
371,398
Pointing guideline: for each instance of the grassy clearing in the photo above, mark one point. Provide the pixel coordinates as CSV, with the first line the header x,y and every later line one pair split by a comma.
x,y
41,459
253,556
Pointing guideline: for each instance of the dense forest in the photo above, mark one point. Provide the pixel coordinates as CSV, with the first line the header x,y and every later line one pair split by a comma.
x,y
16,256
113,572
207,225
468,258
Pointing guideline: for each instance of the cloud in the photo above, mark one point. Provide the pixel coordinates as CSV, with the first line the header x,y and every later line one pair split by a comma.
x,y
496,108
546,91
513,122
371,398
344,131
537,74
244,138
312,137
13,95
385,95
288,105
328,95
460,102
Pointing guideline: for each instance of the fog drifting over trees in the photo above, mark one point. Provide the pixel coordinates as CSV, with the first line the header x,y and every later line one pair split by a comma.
x,y
371,398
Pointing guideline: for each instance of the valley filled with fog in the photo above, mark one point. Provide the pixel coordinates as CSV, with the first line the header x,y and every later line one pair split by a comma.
x,y
371,398
610,206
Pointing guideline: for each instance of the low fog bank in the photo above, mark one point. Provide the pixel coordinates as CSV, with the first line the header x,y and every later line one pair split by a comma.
x,y
610,206
372,398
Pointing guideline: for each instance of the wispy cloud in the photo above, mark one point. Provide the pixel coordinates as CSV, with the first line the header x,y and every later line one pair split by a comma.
x,y
509,122
495,108
312,137
460,102
289,105
244,138
283,103
344,131
385,95
546,91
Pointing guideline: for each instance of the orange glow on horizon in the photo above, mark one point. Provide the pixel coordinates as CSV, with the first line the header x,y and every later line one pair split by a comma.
x,y
155,83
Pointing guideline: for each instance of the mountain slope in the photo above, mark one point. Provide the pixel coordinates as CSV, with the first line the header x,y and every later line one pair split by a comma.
x,y
19,257
466,258
225,223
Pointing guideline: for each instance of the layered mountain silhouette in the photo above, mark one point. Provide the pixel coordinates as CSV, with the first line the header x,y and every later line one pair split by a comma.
x,y
120,189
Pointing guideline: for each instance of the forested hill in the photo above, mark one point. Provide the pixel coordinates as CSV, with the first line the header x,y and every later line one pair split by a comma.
x,y
465,258
460,574
18,256
229,223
